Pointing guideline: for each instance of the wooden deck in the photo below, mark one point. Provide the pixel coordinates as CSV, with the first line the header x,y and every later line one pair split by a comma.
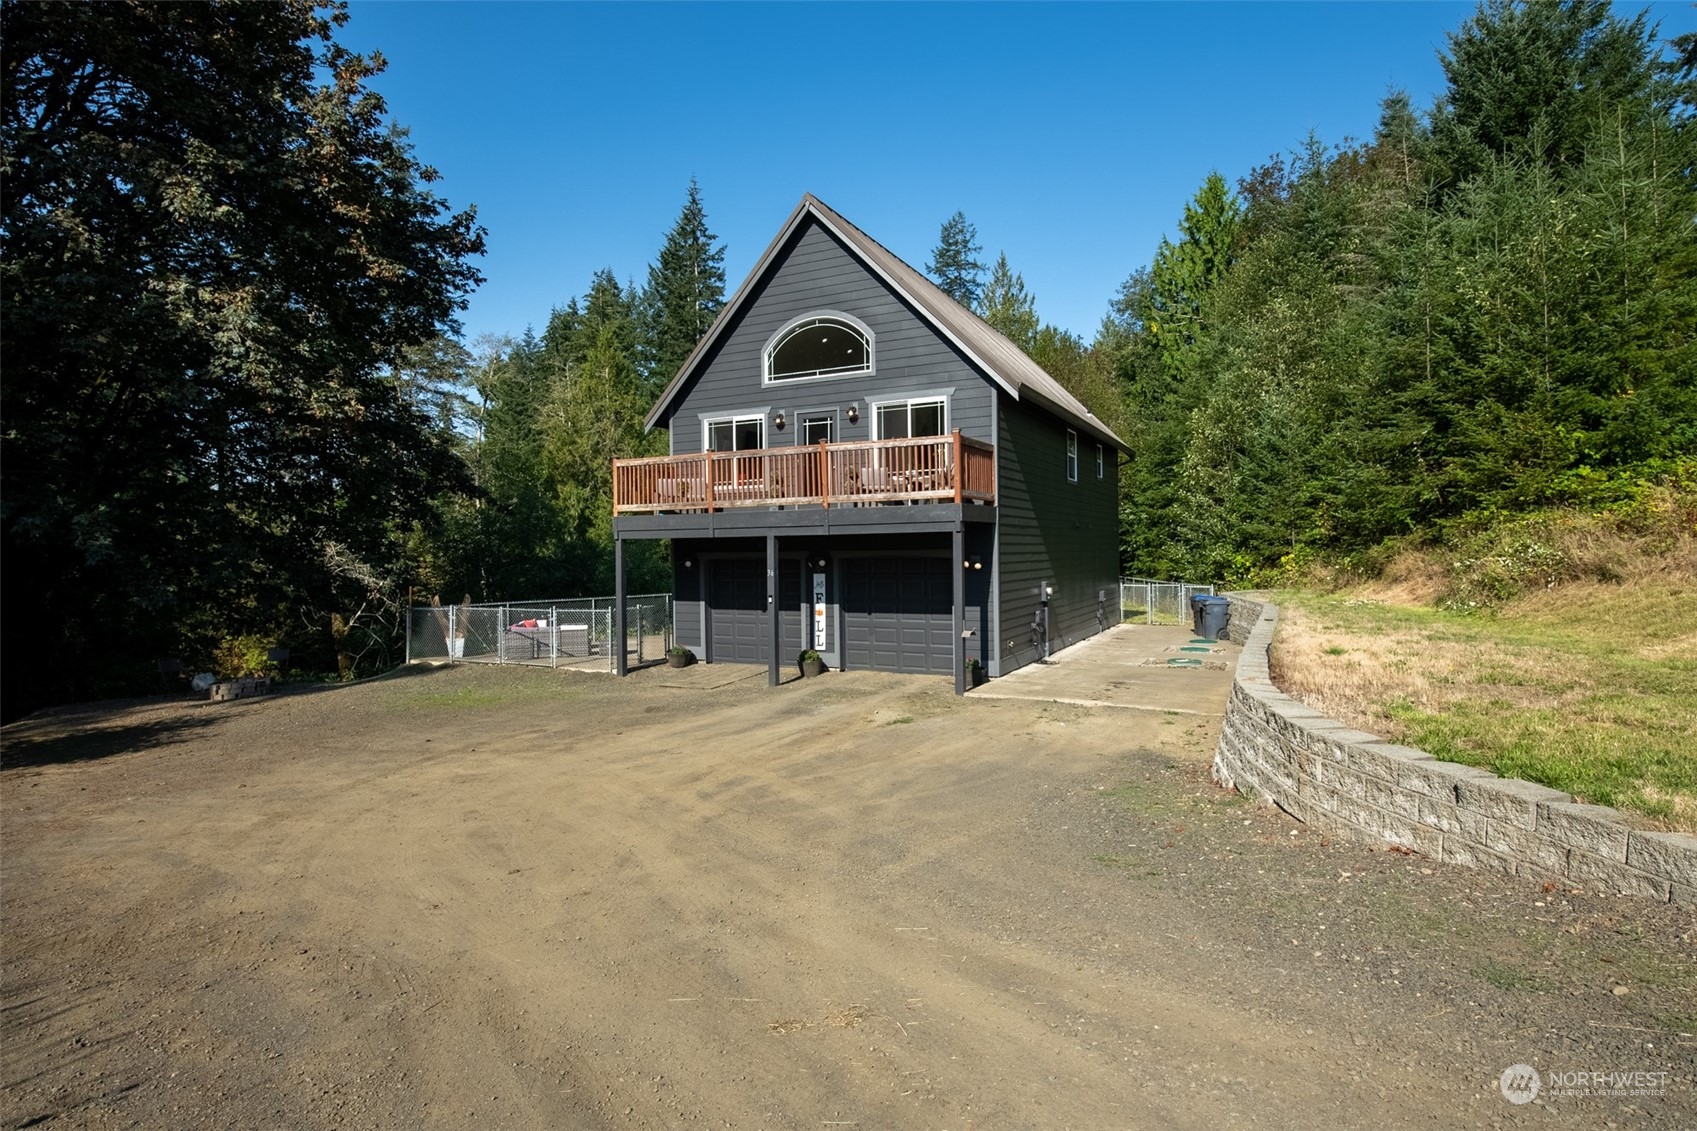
x,y
924,469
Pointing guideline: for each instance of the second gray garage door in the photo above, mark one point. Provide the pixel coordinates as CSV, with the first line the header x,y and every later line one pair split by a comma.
x,y
898,614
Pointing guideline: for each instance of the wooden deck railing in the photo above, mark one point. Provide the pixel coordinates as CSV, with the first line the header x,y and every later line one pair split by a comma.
x,y
948,468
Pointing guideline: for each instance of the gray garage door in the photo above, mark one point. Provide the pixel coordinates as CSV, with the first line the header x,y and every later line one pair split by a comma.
x,y
898,614
736,595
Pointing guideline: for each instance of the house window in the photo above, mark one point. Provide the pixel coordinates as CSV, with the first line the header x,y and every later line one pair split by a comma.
x,y
740,434
820,429
899,419
1101,462
1072,456
819,345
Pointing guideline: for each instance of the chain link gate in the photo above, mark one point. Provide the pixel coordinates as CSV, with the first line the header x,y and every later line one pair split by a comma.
x,y
575,632
1158,602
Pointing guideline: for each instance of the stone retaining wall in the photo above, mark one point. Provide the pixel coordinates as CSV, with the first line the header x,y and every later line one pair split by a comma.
x,y
1340,779
239,689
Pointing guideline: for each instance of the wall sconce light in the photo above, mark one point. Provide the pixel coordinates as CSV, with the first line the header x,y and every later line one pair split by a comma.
x,y
972,563
688,564
778,422
854,414
1048,591
821,563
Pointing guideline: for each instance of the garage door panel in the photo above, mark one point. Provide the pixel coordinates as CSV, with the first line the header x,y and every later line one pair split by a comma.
x,y
898,614
737,597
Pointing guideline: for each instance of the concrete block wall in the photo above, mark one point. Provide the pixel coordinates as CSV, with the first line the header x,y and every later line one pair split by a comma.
x,y
1343,780
239,689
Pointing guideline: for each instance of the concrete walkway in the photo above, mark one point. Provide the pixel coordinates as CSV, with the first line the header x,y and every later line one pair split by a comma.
x,y
1131,666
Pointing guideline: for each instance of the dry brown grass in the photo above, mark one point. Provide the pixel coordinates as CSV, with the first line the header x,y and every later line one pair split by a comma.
x,y
1587,686
1413,577
1354,674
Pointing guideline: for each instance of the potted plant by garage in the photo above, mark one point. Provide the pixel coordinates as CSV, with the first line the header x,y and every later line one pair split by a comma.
x,y
679,657
974,672
810,663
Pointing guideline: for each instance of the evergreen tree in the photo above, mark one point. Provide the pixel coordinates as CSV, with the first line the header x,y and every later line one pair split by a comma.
x,y
686,291
1183,273
955,264
1008,306
216,252
1526,79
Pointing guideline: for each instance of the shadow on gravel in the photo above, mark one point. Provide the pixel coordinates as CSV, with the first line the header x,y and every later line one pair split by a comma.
x,y
86,732
24,750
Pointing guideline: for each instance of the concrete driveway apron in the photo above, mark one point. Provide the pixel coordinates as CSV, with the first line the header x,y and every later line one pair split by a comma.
x,y
1135,666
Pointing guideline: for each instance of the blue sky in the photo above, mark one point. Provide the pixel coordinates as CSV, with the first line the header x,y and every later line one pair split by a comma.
x,y
1070,134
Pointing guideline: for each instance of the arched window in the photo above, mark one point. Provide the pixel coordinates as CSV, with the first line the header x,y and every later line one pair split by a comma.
x,y
819,345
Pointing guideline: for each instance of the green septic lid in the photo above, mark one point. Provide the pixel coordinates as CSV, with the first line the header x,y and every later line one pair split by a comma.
x,y
1200,640
1188,648
1184,663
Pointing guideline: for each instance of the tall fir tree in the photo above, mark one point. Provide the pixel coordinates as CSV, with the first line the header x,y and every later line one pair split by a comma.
x,y
1526,80
686,291
1184,272
1008,306
955,264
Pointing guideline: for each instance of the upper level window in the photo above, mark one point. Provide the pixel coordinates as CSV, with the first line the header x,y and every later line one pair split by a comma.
x,y
900,419
822,345
1101,462
740,434
1072,455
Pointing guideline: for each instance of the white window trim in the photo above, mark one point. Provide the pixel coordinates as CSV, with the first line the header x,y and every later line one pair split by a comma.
x,y
1101,462
943,397
733,419
1072,456
802,419
783,331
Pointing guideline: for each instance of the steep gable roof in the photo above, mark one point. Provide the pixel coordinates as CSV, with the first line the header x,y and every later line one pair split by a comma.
x,y
1005,363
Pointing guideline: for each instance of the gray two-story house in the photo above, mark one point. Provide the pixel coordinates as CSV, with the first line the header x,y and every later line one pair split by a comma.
x,y
862,466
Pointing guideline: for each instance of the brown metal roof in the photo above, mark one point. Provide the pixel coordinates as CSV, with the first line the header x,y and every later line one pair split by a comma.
x,y
1004,362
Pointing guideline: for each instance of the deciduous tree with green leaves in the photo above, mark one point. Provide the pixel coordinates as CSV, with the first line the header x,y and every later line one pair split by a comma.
x,y
216,251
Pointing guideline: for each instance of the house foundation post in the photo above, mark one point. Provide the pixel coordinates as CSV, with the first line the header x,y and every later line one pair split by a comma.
x,y
958,569
621,664
772,621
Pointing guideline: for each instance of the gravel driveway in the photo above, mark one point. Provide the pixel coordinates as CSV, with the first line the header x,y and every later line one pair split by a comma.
x,y
492,897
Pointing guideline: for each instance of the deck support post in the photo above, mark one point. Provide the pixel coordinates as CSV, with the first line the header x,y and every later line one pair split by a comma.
x,y
772,590
958,568
958,468
621,665
824,476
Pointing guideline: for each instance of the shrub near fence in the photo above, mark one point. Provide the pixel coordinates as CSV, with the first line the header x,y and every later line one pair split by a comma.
x,y
573,632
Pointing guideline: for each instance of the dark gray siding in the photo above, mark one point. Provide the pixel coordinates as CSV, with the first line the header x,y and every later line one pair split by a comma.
x,y
686,598
815,273
1052,530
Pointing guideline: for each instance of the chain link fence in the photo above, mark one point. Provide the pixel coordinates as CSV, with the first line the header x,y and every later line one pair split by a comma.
x,y
1144,600
574,632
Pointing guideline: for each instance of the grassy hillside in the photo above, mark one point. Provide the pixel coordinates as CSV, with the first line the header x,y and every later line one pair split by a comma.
x,y
1561,649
